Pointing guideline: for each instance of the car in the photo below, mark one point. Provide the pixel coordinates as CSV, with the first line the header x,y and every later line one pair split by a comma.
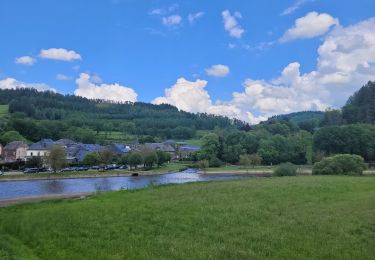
x,y
67,169
31,170
95,167
1,173
122,167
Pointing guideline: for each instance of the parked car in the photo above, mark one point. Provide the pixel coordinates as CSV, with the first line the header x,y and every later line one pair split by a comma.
x,y
122,167
1,173
80,169
95,167
111,167
68,169
31,170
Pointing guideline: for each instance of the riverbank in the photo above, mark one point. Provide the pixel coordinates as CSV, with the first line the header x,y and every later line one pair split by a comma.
x,y
172,167
34,199
324,217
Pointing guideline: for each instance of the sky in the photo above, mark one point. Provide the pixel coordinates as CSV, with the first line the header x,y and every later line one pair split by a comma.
x,y
243,59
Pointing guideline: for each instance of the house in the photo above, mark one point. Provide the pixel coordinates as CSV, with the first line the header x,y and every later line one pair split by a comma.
x,y
14,151
1,151
75,153
158,147
186,151
118,149
40,149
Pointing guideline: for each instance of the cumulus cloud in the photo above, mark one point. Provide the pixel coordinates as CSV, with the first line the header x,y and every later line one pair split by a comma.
x,y
296,5
218,70
172,20
25,60
195,16
11,83
346,61
59,54
63,77
164,10
113,92
231,24
311,25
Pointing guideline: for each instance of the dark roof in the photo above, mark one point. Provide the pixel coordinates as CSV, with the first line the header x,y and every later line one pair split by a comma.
x,y
159,146
119,148
15,145
43,144
189,147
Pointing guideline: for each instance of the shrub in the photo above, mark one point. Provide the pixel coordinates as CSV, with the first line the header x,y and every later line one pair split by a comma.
x,y
285,169
341,164
215,162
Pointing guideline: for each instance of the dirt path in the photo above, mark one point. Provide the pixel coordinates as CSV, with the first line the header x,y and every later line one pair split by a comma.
x,y
14,201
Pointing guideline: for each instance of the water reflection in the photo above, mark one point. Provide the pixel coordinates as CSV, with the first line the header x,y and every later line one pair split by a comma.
x,y
53,186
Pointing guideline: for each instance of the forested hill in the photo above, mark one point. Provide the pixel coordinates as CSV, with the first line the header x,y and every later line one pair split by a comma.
x,y
38,115
298,117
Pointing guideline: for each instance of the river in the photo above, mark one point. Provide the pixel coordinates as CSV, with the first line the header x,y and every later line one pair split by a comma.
x,y
29,188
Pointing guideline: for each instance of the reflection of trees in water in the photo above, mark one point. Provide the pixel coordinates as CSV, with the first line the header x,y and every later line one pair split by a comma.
x,y
103,185
54,186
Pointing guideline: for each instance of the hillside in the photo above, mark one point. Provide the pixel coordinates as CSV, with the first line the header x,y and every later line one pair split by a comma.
x,y
37,115
298,117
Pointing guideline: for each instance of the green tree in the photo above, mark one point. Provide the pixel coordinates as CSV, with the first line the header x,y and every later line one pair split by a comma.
x,y
135,159
34,162
91,159
57,158
11,136
150,158
163,157
210,147
106,156
203,165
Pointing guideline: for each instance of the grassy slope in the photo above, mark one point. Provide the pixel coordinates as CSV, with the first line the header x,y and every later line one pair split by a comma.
x,y
3,110
276,218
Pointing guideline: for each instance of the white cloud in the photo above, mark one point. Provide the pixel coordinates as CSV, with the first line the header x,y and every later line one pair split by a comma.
x,y
218,70
172,20
231,25
346,61
195,16
59,54
164,10
113,92
11,83
25,60
296,5
232,45
63,77
311,25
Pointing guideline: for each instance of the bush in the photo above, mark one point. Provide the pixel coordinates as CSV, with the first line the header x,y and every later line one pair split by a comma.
x,y
341,164
215,162
285,169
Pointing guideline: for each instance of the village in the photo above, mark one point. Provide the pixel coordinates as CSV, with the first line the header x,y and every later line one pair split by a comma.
x,y
18,155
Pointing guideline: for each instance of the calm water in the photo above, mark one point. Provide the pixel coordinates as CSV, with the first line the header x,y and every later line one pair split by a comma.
x,y
14,189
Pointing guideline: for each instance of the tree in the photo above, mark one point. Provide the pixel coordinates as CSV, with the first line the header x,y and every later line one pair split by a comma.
x,y
57,158
255,160
245,161
11,136
332,117
106,156
210,147
135,159
163,157
91,159
150,158
203,165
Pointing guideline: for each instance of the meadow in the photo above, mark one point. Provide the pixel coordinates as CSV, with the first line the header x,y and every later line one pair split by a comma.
x,y
304,217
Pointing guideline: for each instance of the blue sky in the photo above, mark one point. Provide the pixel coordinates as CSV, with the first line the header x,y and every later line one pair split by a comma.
x,y
146,46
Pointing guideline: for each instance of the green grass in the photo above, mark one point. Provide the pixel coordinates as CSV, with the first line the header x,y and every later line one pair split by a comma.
x,y
228,168
309,217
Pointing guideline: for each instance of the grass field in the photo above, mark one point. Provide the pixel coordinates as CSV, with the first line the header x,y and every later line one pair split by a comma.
x,y
309,217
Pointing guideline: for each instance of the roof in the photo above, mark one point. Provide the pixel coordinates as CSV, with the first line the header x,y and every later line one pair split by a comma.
x,y
43,144
159,146
15,145
189,147
120,148
65,142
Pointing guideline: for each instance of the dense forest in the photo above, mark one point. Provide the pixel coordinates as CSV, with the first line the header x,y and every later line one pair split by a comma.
x,y
35,115
300,138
